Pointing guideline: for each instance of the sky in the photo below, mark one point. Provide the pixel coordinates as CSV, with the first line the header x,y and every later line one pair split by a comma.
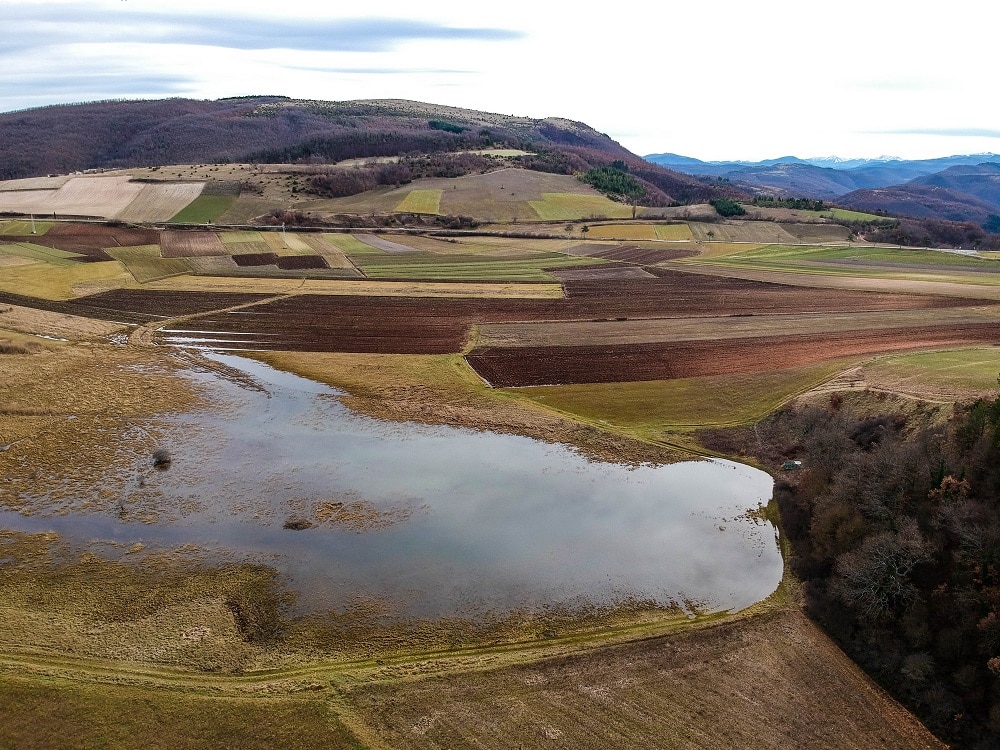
x,y
713,80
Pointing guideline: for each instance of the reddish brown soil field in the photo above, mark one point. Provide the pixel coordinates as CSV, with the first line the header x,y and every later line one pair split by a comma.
x,y
295,262
554,365
255,259
600,273
83,309
401,325
161,304
90,240
180,244
643,256
415,325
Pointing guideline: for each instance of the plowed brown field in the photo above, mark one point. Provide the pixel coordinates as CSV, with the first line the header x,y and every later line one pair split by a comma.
x,y
557,365
421,325
89,240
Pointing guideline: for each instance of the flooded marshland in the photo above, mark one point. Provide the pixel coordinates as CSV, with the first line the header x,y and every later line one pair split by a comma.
x,y
430,522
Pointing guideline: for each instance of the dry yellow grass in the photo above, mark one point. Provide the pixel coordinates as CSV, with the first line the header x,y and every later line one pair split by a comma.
x,y
771,682
101,196
421,202
57,325
673,232
49,281
623,232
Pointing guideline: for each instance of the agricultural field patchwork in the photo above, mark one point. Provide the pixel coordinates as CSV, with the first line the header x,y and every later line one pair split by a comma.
x,y
146,264
626,356
862,260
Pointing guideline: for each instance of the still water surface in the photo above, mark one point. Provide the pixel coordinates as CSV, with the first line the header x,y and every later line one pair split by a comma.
x,y
436,521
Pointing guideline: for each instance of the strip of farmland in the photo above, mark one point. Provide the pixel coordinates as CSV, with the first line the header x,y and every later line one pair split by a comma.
x,y
413,325
563,365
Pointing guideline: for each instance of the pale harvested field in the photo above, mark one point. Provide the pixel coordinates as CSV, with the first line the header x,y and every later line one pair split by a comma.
x,y
503,195
213,264
773,681
393,248
700,211
361,287
158,201
14,260
334,256
57,325
902,285
287,243
35,183
180,244
765,232
818,233
80,196
581,333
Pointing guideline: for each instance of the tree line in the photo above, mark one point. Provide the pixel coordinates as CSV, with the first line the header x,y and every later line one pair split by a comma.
x,y
894,530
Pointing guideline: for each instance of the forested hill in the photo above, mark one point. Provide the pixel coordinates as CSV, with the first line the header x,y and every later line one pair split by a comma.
x,y
119,134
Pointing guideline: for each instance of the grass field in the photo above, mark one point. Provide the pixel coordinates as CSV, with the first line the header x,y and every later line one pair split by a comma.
x,y
430,266
848,215
421,202
39,252
23,227
47,712
792,257
61,282
647,409
351,245
204,209
962,373
673,232
145,263
574,206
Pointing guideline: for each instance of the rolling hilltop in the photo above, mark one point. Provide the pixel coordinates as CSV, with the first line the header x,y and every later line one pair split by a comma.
x,y
122,134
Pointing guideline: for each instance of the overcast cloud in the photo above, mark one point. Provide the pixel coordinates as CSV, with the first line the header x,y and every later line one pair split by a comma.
x,y
717,80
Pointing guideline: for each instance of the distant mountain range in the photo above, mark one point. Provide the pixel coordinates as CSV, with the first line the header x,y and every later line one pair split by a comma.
x,y
953,188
